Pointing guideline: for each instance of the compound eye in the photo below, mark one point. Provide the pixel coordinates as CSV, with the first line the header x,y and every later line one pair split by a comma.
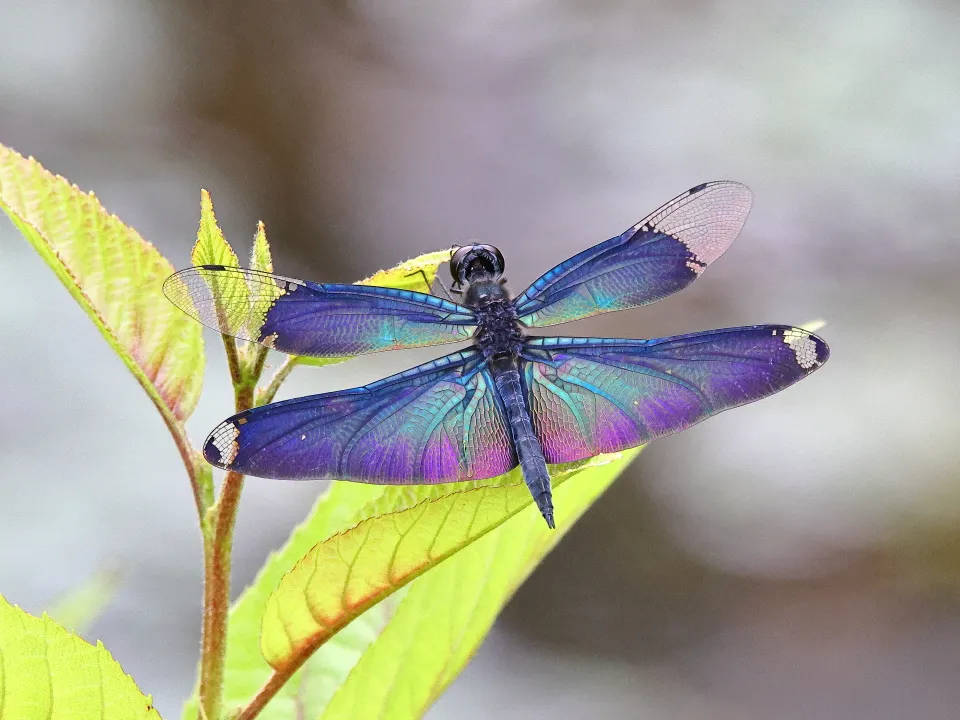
x,y
494,257
458,266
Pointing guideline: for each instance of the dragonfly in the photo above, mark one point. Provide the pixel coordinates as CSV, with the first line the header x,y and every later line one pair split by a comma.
x,y
510,398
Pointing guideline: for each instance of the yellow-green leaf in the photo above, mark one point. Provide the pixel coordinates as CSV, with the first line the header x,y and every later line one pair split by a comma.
x,y
346,574
115,276
447,612
48,674
211,247
417,274
260,258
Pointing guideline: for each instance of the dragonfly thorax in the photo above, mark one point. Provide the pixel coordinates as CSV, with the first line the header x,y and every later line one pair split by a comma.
x,y
499,331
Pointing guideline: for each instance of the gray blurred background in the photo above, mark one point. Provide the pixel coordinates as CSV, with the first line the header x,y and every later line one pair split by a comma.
x,y
797,558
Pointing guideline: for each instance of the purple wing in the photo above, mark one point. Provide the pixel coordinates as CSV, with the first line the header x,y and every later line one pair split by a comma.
x,y
305,318
439,422
591,396
661,254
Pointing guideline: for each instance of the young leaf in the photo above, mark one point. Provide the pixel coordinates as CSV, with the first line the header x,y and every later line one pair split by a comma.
x,y
260,258
115,276
211,247
447,612
48,674
253,356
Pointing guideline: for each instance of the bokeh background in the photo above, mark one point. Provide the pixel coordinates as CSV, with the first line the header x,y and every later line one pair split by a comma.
x,y
797,558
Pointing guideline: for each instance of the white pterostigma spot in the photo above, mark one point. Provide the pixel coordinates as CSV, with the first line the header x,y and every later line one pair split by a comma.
x,y
804,347
225,441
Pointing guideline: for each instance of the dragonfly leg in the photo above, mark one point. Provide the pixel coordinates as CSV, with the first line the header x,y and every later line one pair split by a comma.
x,y
446,291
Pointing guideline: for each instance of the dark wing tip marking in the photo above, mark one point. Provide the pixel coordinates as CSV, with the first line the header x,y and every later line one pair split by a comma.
x,y
220,448
697,188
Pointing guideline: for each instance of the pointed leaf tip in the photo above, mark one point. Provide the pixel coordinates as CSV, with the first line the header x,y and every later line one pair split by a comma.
x,y
260,258
211,247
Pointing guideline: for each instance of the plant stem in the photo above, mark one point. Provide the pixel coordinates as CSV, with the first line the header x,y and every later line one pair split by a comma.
x,y
216,594
259,360
233,361
218,521
200,481
217,526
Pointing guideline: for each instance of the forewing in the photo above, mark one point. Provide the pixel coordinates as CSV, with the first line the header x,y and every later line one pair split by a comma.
x,y
590,396
661,254
321,320
439,422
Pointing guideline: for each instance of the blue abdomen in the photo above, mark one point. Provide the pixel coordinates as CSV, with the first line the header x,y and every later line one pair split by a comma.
x,y
506,374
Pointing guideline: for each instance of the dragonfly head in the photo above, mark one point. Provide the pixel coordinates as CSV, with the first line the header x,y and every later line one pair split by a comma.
x,y
473,262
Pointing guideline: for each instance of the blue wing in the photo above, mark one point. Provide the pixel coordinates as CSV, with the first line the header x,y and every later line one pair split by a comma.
x,y
439,422
590,396
305,318
661,254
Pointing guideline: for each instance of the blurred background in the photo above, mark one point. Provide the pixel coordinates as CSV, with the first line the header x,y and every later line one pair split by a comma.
x,y
797,558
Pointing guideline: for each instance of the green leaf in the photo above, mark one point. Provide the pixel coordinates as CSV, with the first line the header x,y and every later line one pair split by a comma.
x,y
348,573
79,607
115,276
447,612
260,258
49,674
252,356
417,274
211,247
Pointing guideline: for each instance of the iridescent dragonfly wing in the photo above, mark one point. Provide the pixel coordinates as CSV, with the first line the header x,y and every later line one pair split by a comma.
x,y
590,396
661,254
321,320
439,422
